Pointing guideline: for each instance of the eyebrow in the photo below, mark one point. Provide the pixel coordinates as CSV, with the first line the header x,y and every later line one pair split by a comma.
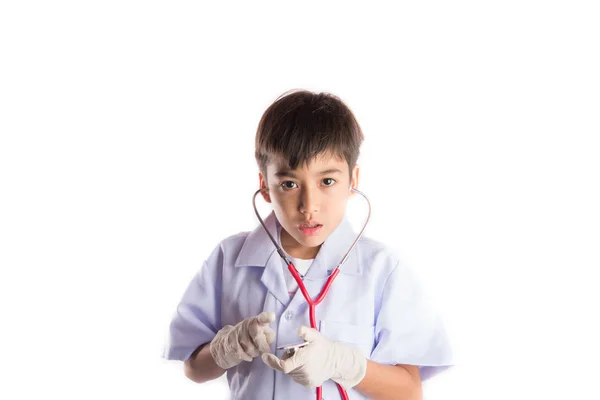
x,y
288,173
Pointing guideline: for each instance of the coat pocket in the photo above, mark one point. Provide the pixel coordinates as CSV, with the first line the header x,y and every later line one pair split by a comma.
x,y
361,337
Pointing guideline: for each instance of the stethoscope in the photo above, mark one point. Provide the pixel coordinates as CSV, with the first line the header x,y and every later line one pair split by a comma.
x,y
313,303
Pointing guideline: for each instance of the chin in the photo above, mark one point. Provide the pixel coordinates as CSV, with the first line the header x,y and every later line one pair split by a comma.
x,y
312,242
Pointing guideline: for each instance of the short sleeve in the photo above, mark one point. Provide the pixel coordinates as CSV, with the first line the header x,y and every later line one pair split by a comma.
x,y
408,330
197,318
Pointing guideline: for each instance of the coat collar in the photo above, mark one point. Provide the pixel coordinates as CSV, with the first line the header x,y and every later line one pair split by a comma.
x,y
258,249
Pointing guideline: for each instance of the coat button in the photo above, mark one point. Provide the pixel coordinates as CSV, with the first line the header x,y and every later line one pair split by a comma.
x,y
289,314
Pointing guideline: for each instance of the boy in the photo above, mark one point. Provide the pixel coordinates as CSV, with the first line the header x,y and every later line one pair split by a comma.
x,y
377,338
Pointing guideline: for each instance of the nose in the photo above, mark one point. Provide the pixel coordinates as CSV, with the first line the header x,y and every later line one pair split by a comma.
x,y
309,201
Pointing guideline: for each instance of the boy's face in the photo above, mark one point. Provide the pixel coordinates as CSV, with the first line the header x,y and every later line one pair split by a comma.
x,y
309,201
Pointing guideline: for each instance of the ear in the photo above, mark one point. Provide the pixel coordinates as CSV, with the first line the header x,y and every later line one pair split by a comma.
x,y
263,186
354,179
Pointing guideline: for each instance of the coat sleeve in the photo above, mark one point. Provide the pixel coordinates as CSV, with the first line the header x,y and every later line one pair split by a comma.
x,y
407,330
197,318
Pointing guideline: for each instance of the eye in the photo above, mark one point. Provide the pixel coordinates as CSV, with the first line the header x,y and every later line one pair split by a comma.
x,y
329,181
288,185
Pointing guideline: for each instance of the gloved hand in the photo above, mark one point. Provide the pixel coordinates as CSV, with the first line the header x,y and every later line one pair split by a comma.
x,y
321,360
234,344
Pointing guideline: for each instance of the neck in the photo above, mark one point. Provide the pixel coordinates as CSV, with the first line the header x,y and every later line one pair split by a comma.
x,y
295,249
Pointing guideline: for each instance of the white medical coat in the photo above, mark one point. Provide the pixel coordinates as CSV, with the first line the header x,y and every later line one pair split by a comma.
x,y
375,304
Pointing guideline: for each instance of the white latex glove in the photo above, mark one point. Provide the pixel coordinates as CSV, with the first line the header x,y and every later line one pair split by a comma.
x,y
234,344
321,360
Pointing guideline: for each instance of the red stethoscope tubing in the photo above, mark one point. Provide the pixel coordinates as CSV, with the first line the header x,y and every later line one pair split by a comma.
x,y
313,303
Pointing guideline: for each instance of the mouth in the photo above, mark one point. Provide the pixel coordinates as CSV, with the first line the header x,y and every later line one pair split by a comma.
x,y
310,228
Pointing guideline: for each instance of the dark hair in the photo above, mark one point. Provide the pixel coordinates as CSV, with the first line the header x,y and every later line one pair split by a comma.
x,y
301,125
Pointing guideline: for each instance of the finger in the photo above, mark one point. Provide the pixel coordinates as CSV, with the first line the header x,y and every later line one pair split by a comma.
x,y
246,350
294,362
242,355
262,336
270,335
272,361
265,318
308,334
260,341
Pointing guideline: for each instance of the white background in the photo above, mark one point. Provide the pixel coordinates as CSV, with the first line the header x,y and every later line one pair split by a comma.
x,y
126,155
